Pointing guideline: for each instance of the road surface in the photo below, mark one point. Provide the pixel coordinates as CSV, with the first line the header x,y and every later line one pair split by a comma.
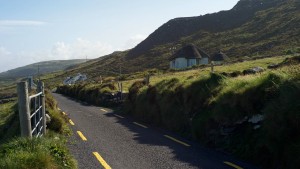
x,y
105,139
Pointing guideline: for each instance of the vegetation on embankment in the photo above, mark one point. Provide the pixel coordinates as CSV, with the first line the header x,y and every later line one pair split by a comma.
x,y
98,94
9,126
216,110
49,151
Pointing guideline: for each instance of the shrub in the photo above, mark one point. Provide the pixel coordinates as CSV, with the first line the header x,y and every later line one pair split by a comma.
x,y
35,153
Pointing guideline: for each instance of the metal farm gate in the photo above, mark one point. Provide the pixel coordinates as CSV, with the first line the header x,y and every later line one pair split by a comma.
x,y
31,110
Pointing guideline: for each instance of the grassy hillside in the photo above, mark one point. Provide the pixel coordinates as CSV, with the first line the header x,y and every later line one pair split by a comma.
x,y
268,32
44,67
216,109
9,79
259,29
175,29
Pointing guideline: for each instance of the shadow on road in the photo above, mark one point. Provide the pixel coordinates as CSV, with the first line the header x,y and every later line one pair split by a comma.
x,y
195,154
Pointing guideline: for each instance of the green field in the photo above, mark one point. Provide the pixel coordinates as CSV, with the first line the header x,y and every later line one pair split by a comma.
x,y
209,107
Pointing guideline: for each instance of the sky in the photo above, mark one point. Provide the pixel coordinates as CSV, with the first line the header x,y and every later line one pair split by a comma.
x,y
39,30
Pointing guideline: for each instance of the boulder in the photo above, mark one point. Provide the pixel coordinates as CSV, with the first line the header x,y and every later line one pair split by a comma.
x,y
253,70
256,119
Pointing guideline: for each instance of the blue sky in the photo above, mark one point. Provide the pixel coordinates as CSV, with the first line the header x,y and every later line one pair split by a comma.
x,y
40,30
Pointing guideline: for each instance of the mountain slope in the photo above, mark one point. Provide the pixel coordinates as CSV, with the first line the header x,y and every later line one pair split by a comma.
x,y
269,32
177,28
266,29
44,67
252,28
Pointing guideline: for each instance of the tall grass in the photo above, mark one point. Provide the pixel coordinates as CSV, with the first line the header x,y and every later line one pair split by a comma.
x,y
207,106
91,93
47,152
210,107
36,153
9,124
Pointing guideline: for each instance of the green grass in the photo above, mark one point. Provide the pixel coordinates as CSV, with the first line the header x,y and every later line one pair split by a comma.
x,y
189,76
9,125
36,153
46,152
89,92
6,112
203,106
199,105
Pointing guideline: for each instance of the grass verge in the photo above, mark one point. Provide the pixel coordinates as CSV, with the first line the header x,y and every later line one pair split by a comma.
x,y
46,152
22,153
217,111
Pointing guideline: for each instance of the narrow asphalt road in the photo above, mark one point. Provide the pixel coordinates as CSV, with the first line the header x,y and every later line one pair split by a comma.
x,y
105,139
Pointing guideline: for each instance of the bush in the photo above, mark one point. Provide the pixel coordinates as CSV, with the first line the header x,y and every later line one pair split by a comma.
x,y
35,153
98,94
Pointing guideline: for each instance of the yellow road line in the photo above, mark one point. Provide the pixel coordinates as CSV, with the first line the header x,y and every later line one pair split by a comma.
x,y
174,139
103,110
71,122
81,136
140,125
119,116
63,113
232,165
101,160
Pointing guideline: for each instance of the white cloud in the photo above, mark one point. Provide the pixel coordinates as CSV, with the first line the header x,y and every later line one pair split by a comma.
x,y
14,23
61,50
9,60
133,41
79,49
4,52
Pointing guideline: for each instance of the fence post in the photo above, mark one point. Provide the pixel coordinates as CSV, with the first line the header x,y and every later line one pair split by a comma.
x,y
41,89
121,91
29,79
24,111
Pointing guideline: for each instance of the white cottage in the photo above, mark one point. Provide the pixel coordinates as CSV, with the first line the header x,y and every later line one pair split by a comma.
x,y
188,56
73,80
219,58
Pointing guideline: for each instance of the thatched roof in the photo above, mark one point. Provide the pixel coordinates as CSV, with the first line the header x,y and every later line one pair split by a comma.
x,y
190,52
219,57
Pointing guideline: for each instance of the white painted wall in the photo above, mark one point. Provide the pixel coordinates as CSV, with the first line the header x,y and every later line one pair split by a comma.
x,y
172,64
191,62
181,63
204,61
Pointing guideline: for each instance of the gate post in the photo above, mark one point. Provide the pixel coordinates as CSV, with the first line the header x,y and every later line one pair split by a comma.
x,y
29,79
24,110
41,89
